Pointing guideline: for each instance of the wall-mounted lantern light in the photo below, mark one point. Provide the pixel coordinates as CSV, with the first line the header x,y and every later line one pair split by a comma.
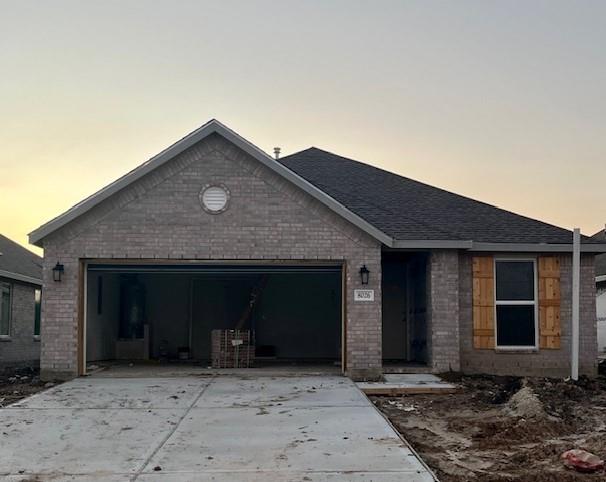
x,y
364,273
58,272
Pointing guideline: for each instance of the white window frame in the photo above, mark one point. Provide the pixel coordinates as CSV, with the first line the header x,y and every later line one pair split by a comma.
x,y
534,303
10,311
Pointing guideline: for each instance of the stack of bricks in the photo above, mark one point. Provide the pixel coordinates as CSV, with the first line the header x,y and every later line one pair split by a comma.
x,y
232,348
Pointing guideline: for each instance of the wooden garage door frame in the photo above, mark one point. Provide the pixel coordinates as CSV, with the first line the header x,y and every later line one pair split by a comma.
x,y
83,276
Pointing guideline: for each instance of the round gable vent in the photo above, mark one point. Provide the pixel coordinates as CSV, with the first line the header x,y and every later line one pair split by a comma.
x,y
214,198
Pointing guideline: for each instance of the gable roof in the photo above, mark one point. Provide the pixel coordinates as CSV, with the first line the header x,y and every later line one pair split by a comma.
x,y
397,211
211,127
411,211
18,263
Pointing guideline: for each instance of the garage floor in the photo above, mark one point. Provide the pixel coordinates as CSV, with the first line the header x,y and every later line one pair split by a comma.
x,y
224,428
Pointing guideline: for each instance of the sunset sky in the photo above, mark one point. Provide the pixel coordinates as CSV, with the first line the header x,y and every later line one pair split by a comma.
x,y
501,101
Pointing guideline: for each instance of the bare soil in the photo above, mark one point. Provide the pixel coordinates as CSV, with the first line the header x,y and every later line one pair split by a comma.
x,y
19,383
504,428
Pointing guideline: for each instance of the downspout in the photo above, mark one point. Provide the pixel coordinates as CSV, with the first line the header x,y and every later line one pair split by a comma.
x,y
576,277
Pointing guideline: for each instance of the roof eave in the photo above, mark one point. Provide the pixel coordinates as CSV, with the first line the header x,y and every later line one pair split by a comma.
x,y
431,244
538,247
20,277
496,247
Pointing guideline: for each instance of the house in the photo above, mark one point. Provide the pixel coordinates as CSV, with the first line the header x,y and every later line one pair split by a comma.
x,y
20,290
326,259
600,283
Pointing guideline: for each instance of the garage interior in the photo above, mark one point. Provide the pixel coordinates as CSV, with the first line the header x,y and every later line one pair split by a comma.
x,y
166,312
404,308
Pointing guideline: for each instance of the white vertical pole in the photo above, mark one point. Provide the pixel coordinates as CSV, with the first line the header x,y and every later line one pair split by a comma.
x,y
576,277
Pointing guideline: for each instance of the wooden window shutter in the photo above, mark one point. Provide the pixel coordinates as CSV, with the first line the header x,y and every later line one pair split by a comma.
x,y
483,302
549,302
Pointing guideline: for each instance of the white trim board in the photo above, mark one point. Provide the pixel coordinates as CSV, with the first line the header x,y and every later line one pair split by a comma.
x,y
537,247
211,127
496,247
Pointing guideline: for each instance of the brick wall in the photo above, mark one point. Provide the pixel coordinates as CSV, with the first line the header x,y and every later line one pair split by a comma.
x,y
20,349
443,311
554,363
159,217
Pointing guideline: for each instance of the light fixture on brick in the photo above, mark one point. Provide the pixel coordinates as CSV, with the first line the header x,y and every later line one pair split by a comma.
x,y
58,272
364,274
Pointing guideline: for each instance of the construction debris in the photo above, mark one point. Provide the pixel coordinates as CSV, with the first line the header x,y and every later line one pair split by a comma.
x,y
17,384
394,385
504,428
582,461
232,348
525,404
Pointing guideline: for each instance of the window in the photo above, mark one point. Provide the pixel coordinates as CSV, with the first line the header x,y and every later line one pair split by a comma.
x,y
37,300
515,303
5,310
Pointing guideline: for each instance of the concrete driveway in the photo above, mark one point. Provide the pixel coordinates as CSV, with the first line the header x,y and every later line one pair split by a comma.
x,y
224,428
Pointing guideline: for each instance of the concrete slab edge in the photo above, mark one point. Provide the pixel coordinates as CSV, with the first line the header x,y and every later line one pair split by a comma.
x,y
401,437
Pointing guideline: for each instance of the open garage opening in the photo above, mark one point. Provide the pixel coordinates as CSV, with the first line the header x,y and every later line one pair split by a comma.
x,y
166,313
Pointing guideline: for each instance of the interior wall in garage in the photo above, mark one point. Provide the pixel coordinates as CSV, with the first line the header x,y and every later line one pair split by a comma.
x,y
167,311
300,314
217,304
102,315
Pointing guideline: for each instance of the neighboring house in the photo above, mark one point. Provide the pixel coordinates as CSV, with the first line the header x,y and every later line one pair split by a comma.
x,y
600,283
20,297
325,258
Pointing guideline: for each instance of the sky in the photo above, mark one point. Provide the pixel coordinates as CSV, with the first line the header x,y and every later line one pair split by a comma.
x,y
504,102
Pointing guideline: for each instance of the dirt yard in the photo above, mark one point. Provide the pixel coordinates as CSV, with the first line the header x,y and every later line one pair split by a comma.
x,y
502,428
18,384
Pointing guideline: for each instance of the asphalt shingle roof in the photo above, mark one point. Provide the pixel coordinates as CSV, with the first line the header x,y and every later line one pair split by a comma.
x,y
16,259
410,210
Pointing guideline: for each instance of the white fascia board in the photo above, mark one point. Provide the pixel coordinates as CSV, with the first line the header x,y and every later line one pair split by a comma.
x,y
537,247
431,244
496,247
20,277
599,279
593,248
213,126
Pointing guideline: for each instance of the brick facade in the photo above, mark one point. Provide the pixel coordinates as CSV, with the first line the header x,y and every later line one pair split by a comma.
x,y
543,362
443,311
159,217
21,349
